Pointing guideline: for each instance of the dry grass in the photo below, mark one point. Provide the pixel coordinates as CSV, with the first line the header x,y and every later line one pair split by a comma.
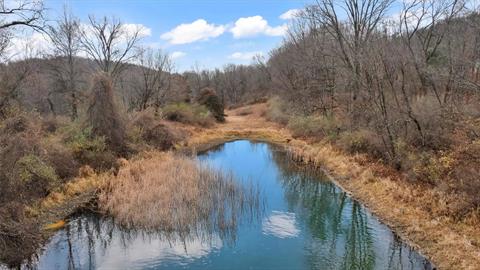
x,y
415,212
177,196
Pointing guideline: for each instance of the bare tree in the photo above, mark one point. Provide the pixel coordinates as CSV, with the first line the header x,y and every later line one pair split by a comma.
x,y
424,24
21,13
65,38
110,43
12,78
352,34
154,82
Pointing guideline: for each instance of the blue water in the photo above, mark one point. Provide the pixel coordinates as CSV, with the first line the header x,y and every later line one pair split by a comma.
x,y
306,223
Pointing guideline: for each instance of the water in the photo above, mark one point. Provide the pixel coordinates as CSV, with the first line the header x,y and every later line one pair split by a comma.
x,y
307,223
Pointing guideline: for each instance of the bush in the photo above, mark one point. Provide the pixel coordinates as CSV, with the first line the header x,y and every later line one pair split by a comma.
x,y
62,160
356,142
276,111
191,114
314,126
145,129
160,136
209,99
437,123
465,173
33,173
50,123
20,236
103,114
89,149
19,137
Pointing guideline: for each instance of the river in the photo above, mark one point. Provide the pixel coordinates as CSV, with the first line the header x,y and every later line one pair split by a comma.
x,y
306,223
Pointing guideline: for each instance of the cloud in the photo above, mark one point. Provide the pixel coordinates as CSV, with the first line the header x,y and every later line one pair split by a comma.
x,y
256,25
290,14
25,46
281,225
244,55
198,30
130,28
177,54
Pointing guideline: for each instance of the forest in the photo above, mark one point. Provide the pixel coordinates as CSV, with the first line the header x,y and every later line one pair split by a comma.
x,y
400,90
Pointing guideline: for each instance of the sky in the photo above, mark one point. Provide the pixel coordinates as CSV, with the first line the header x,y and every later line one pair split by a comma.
x,y
203,33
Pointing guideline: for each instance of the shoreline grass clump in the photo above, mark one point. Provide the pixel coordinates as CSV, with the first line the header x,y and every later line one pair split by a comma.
x,y
178,196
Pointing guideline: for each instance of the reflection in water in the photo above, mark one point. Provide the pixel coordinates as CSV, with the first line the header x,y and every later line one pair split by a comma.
x,y
90,242
338,223
309,223
280,224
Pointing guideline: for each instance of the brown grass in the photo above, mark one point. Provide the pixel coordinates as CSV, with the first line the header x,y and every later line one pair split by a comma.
x,y
414,211
177,196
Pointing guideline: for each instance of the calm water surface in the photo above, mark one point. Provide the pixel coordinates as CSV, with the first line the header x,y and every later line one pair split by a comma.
x,y
307,223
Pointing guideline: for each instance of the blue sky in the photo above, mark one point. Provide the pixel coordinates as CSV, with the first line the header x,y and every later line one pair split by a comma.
x,y
210,33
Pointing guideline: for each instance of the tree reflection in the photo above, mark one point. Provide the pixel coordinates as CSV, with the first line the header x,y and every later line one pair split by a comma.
x,y
339,226
336,232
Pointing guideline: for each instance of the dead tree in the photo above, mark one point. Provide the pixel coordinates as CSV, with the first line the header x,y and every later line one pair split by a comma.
x,y
154,82
110,44
351,35
65,38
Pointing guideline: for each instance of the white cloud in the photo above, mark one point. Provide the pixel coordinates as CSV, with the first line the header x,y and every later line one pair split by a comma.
x,y
245,55
281,225
32,45
198,30
130,28
290,14
177,54
256,25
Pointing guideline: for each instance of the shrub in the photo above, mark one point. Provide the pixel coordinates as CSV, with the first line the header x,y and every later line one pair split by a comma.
x,y
428,167
20,136
210,99
192,114
33,173
437,123
87,148
50,123
276,111
354,142
19,235
314,126
146,129
104,116
465,173
160,136
62,160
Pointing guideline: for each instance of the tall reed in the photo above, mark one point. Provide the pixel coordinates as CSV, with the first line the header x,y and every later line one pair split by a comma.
x,y
180,197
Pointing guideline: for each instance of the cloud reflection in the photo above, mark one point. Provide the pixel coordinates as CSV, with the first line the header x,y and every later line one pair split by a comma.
x,y
281,225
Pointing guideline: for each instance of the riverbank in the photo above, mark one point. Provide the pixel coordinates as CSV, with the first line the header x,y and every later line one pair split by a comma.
x,y
410,210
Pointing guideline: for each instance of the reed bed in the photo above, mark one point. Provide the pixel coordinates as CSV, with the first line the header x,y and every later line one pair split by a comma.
x,y
178,196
